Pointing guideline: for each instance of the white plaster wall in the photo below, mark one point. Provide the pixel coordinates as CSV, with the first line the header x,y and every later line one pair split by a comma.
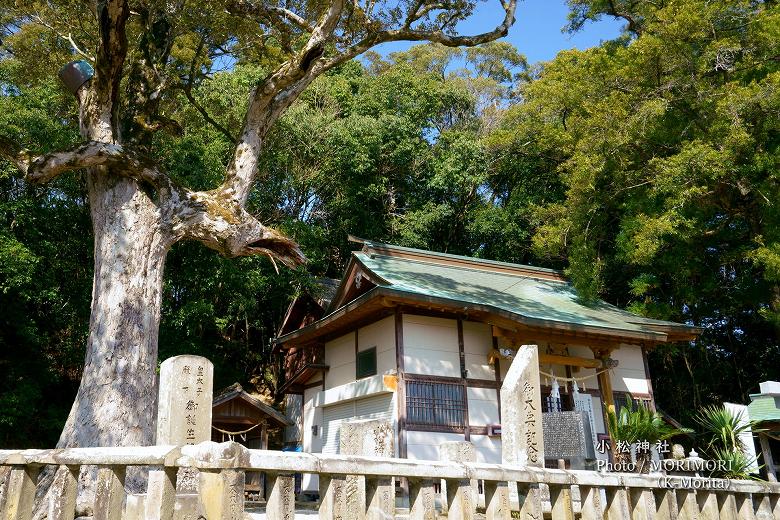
x,y
629,375
431,346
340,357
381,335
311,444
425,445
293,410
483,406
584,352
488,449
598,414
311,415
477,344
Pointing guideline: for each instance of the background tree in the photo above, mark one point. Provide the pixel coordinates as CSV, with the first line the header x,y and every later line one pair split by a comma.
x,y
670,145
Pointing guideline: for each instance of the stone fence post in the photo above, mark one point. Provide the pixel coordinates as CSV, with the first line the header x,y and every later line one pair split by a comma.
x,y
183,417
459,452
372,498
221,484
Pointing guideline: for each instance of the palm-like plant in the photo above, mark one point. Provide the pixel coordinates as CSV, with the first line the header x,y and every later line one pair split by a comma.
x,y
721,431
722,428
737,464
640,424
633,425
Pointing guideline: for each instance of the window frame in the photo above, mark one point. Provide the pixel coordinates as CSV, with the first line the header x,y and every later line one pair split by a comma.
x,y
365,373
436,404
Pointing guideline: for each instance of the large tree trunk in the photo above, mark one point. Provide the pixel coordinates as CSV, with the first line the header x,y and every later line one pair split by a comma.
x,y
116,401
116,404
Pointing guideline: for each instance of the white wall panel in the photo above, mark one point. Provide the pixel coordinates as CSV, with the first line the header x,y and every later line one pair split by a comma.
x,y
431,346
483,406
425,445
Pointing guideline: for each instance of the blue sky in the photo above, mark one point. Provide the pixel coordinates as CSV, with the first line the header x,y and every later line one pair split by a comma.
x,y
537,31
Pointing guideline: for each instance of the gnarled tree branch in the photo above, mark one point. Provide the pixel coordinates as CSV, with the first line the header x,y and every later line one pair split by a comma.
x,y
270,14
11,151
43,168
223,225
282,87
270,99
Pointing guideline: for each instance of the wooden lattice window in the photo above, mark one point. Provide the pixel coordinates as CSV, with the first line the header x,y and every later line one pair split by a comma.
x,y
436,404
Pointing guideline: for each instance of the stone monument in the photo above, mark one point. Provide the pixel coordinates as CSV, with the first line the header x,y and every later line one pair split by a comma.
x,y
184,406
568,436
522,441
183,417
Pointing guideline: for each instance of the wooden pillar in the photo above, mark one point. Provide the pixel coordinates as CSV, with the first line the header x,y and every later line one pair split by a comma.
x,y
605,388
400,394
401,390
767,454
605,382
264,446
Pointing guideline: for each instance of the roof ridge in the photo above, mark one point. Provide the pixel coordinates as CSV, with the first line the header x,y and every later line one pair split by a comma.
x,y
370,246
515,277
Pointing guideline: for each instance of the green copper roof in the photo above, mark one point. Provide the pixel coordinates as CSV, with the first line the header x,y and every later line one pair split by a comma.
x,y
527,296
764,408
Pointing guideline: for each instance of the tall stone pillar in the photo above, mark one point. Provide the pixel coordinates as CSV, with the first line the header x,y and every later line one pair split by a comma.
x,y
183,417
522,441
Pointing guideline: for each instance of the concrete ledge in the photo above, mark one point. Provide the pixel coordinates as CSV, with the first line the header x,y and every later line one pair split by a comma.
x,y
370,386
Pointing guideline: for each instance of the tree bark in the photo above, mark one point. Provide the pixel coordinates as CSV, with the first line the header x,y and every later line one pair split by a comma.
x,y
115,404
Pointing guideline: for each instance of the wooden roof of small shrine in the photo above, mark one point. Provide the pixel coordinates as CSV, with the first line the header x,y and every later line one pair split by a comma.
x,y
383,275
236,406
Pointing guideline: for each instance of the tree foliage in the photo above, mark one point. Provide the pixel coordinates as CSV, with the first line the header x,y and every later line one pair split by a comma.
x,y
670,158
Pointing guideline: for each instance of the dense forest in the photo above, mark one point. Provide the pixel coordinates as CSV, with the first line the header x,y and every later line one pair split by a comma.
x,y
646,167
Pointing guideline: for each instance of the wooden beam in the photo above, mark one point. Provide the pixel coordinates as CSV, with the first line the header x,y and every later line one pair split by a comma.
x,y
401,391
464,375
571,361
767,454
605,386
518,335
